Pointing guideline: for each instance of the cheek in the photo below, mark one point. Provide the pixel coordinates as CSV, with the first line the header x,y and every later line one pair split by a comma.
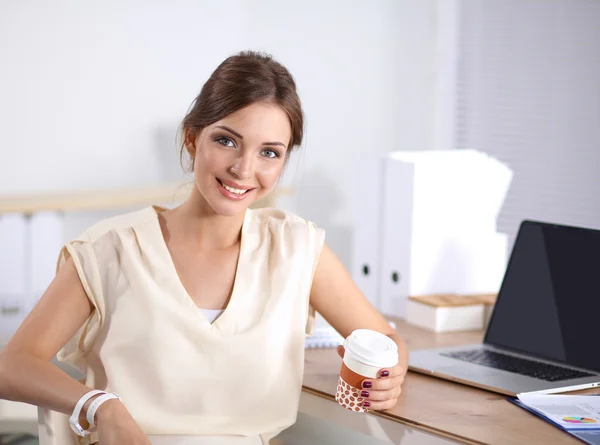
x,y
206,162
269,174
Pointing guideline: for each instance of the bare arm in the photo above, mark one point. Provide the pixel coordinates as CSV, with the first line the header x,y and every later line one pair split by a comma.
x,y
335,296
26,374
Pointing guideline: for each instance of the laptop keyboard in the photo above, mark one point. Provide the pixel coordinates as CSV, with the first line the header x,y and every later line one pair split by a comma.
x,y
530,368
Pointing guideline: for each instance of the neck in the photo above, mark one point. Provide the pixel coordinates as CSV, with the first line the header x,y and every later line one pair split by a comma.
x,y
199,223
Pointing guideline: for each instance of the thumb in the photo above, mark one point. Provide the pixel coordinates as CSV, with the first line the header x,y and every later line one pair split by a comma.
x,y
340,351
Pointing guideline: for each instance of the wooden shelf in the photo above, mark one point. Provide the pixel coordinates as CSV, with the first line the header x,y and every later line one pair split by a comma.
x,y
80,200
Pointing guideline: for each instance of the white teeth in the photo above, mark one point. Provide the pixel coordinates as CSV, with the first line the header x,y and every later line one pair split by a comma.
x,y
232,190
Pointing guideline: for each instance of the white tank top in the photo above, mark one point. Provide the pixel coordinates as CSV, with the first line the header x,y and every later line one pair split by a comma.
x,y
212,314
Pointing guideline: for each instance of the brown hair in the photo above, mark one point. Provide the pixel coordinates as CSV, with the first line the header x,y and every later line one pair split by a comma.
x,y
241,80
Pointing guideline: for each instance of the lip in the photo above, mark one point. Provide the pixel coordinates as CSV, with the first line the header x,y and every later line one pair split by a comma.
x,y
234,185
232,196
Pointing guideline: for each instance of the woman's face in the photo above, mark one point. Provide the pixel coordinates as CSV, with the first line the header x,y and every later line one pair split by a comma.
x,y
238,159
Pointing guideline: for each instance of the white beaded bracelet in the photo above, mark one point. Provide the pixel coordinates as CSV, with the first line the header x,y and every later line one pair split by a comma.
x,y
91,412
74,419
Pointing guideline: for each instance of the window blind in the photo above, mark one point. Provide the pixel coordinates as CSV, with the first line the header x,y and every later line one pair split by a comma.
x,y
528,93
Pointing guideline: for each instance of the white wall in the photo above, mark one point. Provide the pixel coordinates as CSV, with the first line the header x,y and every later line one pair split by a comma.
x,y
91,92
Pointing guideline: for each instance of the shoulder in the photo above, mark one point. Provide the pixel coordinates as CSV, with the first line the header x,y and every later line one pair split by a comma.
x,y
105,241
287,230
117,223
282,219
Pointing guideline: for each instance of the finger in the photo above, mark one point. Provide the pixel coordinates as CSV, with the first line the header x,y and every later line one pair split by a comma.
x,y
382,384
389,394
386,404
399,378
340,351
392,372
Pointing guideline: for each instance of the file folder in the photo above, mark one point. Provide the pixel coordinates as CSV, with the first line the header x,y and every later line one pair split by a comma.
x,y
396,230
367,212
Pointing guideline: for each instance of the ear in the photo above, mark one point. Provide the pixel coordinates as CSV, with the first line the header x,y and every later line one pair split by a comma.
x,y
189,140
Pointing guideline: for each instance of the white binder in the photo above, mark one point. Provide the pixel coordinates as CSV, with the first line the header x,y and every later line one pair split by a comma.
x,y
13,280
396,229
408,227
366,245
438,226
46,241
13,246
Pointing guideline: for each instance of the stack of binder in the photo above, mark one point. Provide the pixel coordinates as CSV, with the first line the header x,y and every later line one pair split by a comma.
x,y
29,247
425,223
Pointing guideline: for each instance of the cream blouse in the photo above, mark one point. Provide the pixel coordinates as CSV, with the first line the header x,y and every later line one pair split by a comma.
x,y
179,375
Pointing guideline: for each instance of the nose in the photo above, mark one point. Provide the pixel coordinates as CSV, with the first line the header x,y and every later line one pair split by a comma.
x,y
243,167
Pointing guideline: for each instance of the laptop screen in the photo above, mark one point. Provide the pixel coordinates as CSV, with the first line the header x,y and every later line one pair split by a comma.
x,y
549,302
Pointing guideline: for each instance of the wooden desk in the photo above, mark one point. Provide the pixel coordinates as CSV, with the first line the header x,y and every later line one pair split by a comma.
x,y
459,412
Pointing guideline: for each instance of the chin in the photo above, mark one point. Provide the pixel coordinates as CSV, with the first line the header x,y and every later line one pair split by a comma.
x,y
229,208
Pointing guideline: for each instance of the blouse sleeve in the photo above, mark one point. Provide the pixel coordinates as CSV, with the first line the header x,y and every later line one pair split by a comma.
x,y
86,263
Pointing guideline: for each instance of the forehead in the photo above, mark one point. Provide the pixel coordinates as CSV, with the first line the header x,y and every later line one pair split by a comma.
x,y
265,121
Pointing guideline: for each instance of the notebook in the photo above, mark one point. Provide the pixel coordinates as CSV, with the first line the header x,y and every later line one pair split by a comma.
x,y
324,336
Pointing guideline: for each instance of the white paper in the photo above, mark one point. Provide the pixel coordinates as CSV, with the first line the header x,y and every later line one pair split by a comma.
x,y
570,412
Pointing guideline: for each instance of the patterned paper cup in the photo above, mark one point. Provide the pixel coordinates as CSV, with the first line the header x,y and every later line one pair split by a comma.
x,y
366,353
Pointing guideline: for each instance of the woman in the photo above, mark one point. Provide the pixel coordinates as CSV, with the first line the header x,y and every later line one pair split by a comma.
x,y
196,316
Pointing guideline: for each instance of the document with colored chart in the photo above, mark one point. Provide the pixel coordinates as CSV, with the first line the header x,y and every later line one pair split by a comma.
x,y
576,415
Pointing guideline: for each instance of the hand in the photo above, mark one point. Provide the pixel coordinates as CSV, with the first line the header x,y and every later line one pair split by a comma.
x,y
117,427
383,392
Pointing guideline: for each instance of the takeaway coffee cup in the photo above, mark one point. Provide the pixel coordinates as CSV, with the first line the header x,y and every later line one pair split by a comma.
x,y
366,353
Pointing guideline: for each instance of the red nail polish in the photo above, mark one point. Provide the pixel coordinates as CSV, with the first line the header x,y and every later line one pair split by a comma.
x,y
367,384
366,404
385,373
364,393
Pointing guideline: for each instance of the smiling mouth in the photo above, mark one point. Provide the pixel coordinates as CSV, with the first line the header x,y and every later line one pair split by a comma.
x,y
236,191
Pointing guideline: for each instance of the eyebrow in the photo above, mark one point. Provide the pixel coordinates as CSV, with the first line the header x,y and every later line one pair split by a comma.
x,y
235,133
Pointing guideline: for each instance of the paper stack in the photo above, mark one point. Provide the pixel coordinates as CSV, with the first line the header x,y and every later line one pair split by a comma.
x,y
578,415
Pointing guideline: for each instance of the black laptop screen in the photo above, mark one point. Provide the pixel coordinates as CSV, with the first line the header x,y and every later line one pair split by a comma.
x,y
549,302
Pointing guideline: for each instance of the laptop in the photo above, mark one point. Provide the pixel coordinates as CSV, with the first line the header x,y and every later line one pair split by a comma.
x,y
544,332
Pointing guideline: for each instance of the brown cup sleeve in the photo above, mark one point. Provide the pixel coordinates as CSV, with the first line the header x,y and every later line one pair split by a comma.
x,y
351,377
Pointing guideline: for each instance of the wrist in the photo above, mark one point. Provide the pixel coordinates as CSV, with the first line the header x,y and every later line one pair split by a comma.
x,y
78,415
108,409
82,420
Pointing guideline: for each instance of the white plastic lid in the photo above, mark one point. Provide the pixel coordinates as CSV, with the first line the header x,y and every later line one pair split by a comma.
x,y
372,348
